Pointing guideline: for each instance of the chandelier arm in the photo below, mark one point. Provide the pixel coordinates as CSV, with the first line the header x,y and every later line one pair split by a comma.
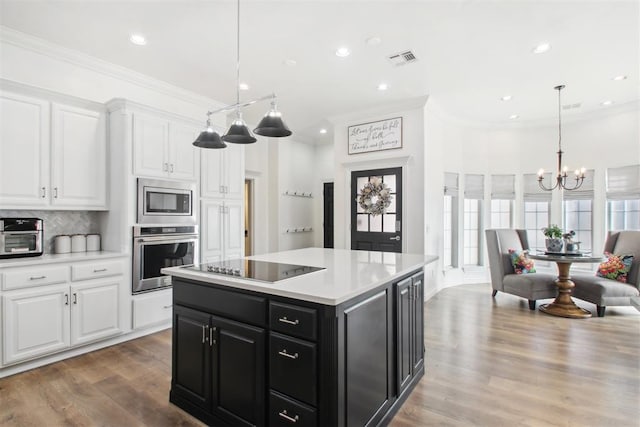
x,y
548,188
579,181
242,104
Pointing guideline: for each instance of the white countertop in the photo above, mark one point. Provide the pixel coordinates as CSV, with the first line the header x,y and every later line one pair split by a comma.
x,y
347,273
56,258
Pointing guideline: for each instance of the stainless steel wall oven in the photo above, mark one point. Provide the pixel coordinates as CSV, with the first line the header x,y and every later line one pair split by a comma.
x,y
157,247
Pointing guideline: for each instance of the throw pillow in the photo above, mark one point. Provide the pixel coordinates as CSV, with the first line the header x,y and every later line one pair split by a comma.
x,y
616,267
521,263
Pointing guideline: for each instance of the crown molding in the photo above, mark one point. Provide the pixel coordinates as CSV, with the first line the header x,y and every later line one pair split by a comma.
x,y
74,57
24,89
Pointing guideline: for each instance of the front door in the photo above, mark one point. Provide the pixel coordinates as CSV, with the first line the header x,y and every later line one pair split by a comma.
x,y
374,227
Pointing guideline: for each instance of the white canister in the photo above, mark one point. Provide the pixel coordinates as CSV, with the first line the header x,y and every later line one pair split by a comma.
x,y
78,243
62,244
93,242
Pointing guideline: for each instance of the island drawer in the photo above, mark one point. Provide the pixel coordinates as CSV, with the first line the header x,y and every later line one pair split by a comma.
x,y
293,367
293,320
284,412
232,305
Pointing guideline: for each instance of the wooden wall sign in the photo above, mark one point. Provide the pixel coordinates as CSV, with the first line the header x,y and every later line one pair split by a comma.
x,y
375,136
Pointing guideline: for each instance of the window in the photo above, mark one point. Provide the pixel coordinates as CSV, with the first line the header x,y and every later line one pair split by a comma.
x,y
502,195
578,214
473,196
536,210
623,198
450,220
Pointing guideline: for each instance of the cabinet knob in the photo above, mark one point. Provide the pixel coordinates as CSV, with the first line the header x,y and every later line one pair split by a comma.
x,y
55,192
44,192
286,416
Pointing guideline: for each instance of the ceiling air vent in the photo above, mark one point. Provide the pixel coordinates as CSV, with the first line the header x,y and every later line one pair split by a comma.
x,y
572,106
402,58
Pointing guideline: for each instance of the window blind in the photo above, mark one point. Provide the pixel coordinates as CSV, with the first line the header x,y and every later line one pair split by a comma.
x,y
503,187
474,186
623,183
585,192
531,189
450,184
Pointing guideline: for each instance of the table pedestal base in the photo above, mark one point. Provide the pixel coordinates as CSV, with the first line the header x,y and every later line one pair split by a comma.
x,y
564,306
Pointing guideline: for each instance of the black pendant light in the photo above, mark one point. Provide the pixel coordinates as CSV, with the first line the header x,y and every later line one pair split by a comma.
x,y
209,138
271,124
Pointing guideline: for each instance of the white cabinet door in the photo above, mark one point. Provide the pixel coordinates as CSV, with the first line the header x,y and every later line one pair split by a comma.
x,y
24,151
234,172
36,322
150,142
223,172
152,308
212,171
94,310
211,230
182,153
233,229
79,157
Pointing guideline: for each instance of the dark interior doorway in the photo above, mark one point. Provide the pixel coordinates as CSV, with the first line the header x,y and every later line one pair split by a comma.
x,y
328,214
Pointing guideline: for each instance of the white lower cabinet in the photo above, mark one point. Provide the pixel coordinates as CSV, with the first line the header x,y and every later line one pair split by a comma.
x,y
222,230
40,320
152,308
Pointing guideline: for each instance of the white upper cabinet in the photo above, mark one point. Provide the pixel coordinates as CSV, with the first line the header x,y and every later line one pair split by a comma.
x,y
52,155
163,148
223,172
24,151
79,152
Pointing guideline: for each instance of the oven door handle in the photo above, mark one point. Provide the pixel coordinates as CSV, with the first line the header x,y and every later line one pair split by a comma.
x,y
165,239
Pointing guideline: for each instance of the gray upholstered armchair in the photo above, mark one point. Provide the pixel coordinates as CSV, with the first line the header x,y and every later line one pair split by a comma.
x,y
603,292
532,286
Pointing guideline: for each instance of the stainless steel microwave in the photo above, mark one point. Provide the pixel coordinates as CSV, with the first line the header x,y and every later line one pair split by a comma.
x,y
166,202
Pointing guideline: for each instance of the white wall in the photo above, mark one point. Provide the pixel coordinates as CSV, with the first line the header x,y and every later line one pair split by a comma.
x,y
256,163
410,157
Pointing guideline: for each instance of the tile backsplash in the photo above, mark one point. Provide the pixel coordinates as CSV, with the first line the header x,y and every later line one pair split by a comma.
x,y
59,222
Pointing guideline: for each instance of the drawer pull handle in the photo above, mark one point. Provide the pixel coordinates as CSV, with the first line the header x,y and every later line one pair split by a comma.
x,y
37,277
286,416
167,306
100,270
290,322
285,354
203,334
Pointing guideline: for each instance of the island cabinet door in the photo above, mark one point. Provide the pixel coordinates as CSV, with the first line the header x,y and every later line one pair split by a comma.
x,y
417,281
405,333
238,372
191,356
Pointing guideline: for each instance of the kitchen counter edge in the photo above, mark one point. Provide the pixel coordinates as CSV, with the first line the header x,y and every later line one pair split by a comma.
x,y
59,258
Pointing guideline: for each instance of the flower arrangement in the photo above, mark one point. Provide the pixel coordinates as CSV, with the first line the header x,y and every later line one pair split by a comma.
x,y
374,198
552,232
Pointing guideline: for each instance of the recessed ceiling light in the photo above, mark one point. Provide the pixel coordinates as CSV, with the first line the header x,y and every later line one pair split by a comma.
x,y
290,62
513,116
606,103
542,48
373,41
138,39
323,131
343,52
383,86
618,78
243,86
506,98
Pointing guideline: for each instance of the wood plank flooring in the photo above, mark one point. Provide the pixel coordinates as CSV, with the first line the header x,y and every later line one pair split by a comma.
x,y
489,362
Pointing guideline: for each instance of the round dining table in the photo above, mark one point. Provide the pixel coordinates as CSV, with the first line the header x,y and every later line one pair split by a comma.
x,y
564,306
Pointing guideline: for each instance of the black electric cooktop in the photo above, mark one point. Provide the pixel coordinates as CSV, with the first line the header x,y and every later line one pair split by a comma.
x,y
254,270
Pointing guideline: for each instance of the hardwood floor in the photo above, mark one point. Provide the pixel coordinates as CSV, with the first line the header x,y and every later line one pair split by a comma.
x,y
489,362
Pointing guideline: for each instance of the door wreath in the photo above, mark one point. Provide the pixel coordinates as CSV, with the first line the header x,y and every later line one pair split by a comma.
x,y
375,197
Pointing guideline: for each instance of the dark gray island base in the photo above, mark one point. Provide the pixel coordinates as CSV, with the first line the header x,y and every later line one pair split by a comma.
x,y
243,358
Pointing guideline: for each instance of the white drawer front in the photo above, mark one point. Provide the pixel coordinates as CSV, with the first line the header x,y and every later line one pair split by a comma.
x,y
92,270
26,277
152,308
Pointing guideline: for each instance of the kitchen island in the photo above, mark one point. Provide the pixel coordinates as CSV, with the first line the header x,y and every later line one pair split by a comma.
x,y
338,344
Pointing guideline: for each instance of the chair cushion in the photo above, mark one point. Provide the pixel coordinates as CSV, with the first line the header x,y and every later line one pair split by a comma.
x,y
531,286
521,262
616,267
601,291
628,242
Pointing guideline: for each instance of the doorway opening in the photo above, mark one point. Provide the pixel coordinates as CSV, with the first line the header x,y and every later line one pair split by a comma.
x,y
248,217
327,219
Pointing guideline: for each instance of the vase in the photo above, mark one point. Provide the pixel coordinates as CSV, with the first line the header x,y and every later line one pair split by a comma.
x,y
553,245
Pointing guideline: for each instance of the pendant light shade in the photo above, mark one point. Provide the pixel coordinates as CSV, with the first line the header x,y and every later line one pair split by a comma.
x,y
209,139
239,133
272,124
